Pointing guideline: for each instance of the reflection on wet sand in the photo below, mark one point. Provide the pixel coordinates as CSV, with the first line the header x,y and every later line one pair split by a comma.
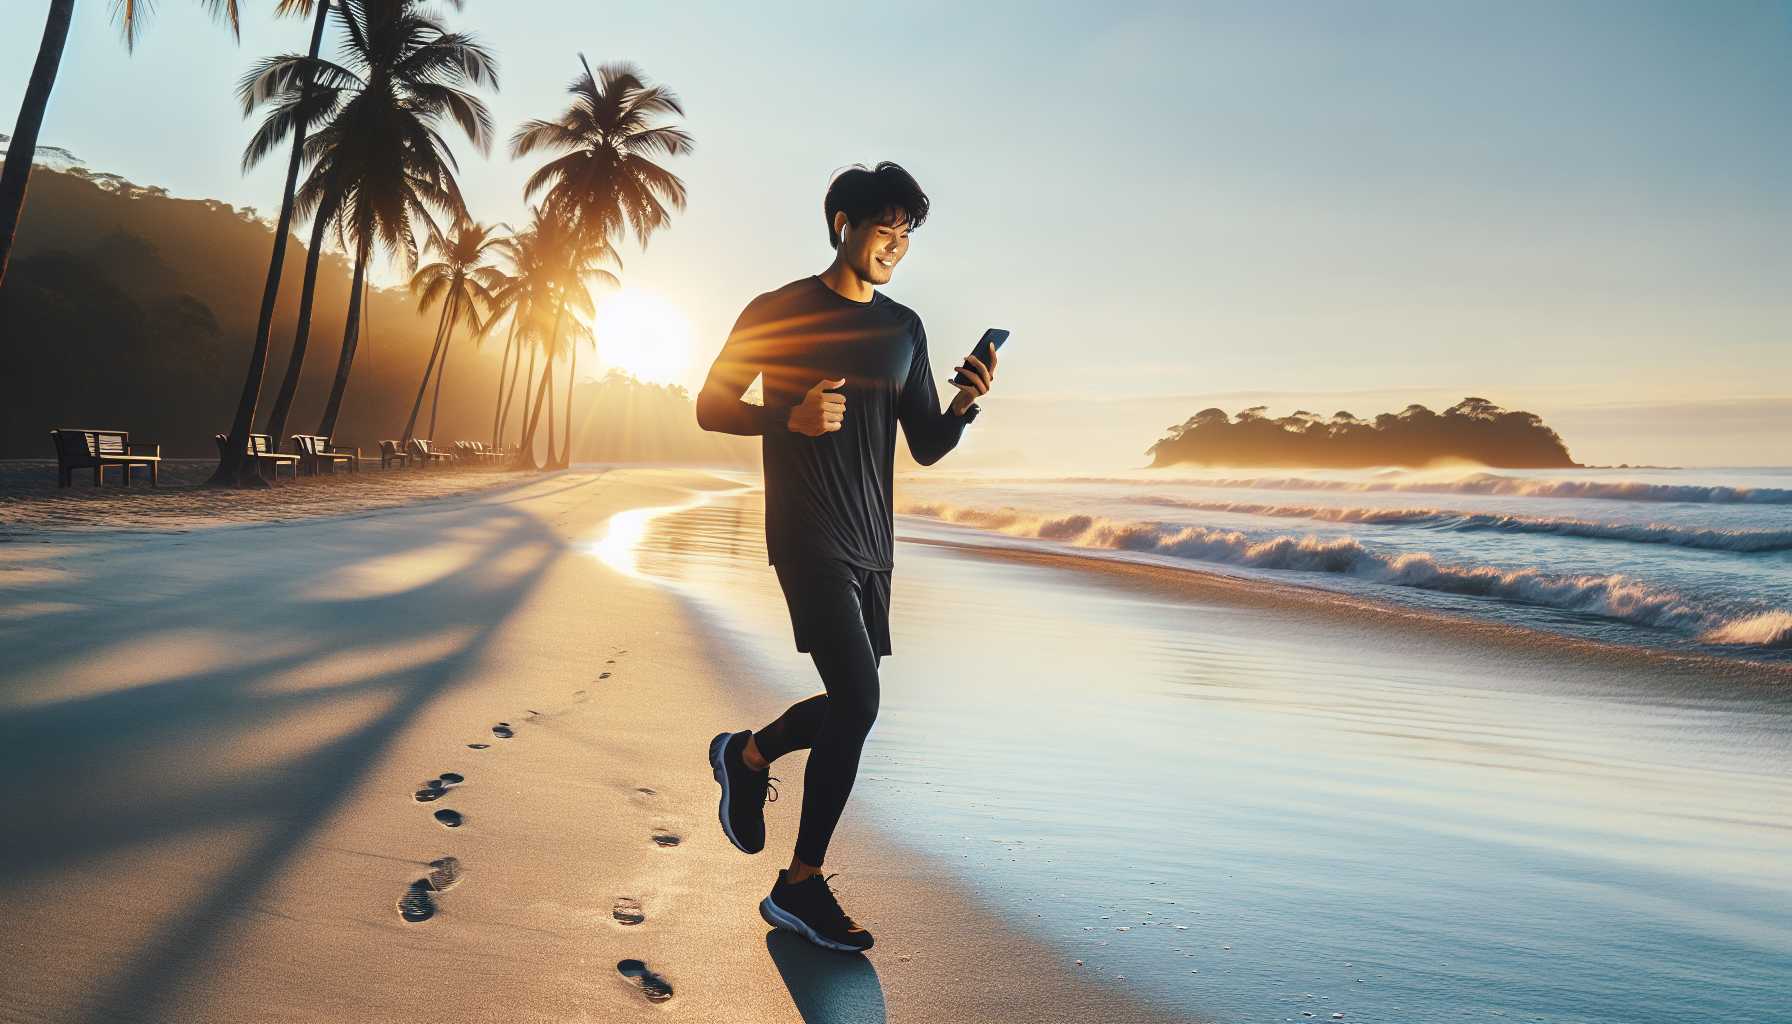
x,y
1242,807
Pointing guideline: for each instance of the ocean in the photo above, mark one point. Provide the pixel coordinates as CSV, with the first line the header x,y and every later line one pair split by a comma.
x,y
1362,747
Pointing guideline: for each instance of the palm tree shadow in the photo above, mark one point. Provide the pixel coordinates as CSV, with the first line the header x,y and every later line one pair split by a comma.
x,y
827,987
58,749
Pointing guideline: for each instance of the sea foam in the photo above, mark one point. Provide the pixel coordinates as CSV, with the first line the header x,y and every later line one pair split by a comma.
x,y
1614,596
1744,541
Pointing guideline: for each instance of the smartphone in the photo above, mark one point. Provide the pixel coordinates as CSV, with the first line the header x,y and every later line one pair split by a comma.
x,y
992,339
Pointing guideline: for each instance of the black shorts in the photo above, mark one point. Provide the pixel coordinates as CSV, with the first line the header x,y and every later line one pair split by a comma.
x,y
828,598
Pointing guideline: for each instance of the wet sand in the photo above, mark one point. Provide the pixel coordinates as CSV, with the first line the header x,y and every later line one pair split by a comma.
x,y
427,763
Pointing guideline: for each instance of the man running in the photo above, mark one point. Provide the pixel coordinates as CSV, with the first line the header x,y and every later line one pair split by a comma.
x,y
841,365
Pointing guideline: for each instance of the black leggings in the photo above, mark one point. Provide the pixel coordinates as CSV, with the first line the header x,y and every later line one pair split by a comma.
x,y
830,609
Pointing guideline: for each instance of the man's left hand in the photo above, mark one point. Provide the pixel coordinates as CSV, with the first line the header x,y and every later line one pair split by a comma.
x,y
981,378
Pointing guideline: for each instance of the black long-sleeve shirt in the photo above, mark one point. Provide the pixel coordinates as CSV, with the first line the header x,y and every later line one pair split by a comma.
x,y
830,496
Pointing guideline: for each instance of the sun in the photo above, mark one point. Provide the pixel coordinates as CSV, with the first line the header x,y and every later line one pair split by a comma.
x,y
641,333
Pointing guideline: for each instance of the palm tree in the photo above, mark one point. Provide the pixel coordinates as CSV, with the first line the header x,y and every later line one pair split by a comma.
x,y
563,262
603,178
22,148
381,163
298,107
465,282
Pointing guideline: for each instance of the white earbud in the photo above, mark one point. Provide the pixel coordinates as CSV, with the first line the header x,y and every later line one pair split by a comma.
x,y
843,232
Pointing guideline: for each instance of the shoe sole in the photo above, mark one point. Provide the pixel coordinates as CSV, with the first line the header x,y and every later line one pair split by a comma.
x,y
716,746
777,917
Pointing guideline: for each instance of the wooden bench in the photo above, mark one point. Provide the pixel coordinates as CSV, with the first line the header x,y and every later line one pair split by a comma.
x,y
101,450
475,450
392,451
427,457
316,450
261,449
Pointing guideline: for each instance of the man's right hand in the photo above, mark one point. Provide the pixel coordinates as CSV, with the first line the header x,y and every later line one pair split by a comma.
x,y
822,410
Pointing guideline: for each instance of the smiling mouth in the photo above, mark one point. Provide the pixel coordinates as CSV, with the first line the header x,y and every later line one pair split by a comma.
x,y
883,262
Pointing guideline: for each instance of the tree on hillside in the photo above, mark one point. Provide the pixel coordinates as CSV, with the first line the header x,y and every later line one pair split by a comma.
x,y
22,147
603,178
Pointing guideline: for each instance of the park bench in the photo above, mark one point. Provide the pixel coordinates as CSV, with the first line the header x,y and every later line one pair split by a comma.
x,y
392,451
101,450
427,456
316,450
261,449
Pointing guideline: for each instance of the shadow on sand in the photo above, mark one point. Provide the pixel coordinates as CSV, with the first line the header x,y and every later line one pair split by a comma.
x,y
266,606
828,987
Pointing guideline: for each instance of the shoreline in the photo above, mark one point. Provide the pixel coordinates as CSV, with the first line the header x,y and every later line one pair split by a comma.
x,y
1196,583
219,830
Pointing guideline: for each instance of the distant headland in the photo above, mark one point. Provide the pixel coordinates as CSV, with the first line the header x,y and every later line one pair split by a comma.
x,y
1473,430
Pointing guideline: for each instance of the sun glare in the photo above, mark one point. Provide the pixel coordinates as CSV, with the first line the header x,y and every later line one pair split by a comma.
x,y
642,333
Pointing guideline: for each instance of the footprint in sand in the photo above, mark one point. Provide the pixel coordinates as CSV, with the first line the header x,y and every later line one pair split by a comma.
x,y
604,675
443,873
436,787
503,731
450,819
654,987
628,910
478,746
665,838
417,905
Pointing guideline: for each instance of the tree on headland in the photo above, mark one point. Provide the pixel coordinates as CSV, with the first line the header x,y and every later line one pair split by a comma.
x,y
1473,429
603,179
22,147
461,281
381,160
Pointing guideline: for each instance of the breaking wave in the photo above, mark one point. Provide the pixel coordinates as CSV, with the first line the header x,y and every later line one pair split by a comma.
x,y
1747,541
1614,596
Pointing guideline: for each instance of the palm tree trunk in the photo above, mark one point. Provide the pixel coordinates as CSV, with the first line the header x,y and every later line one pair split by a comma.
x,y
301,338
423,385
503,372
516,377
447,341
549,462
528,453
234,466
351,336
22,150
571,375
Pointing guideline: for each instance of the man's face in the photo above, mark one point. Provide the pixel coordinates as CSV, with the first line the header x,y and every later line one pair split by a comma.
x,y
873,249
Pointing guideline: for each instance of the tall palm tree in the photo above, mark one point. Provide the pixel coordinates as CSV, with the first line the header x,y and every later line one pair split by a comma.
x,y
567,260
301,338
22,148
298,107
381,162
462,282
603,178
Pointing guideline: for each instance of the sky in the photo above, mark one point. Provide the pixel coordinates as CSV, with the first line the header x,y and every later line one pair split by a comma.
x,y
1581,209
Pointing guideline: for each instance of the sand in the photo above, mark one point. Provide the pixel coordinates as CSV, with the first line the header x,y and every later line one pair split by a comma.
x,y
213,742
31,502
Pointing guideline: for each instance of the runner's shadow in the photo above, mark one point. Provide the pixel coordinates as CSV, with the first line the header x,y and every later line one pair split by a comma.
x,y
828,987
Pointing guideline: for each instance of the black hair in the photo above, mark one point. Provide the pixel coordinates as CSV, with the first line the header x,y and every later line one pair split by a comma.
x,y
887,192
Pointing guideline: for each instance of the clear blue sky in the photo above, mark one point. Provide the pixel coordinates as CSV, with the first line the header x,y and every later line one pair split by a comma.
x,y
1584,209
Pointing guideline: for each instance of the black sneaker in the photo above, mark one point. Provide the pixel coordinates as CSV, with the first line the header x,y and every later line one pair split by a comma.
x,y
744,792
809,909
